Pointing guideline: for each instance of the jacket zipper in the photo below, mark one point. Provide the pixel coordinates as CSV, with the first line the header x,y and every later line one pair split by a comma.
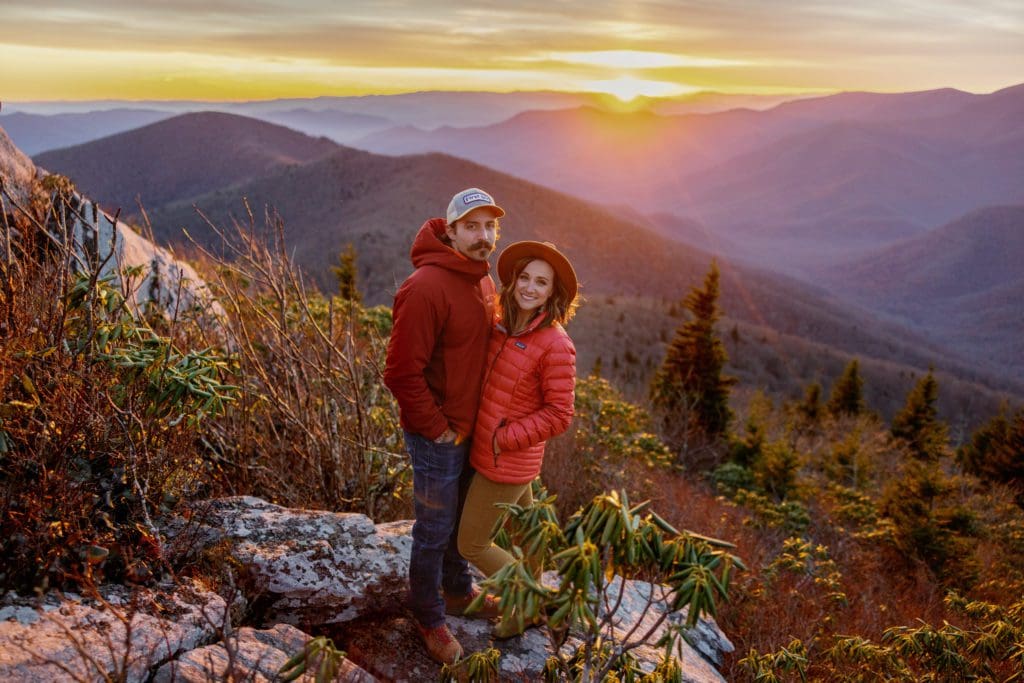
x,y
494,436
504,343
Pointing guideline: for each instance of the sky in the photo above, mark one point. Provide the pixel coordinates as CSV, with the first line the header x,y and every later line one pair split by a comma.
x,y
266,49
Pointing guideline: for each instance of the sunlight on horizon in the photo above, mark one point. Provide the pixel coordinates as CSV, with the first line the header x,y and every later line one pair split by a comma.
x,y
627,88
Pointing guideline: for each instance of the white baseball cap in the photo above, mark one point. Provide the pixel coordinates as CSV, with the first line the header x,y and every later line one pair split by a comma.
x,y
467,200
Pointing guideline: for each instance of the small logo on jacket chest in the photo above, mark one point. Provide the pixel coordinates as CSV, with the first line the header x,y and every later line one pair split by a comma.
x,y
520,345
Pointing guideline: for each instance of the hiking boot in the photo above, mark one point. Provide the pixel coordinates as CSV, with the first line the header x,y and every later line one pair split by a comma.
x,y
441,644
456,605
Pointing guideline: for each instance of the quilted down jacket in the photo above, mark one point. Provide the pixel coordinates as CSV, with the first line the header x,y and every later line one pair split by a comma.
x,y
527,398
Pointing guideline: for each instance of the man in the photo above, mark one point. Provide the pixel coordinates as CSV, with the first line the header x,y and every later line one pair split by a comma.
x,y
435,363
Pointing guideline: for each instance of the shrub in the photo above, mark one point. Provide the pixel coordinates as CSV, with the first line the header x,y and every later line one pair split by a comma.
x,y
101,410
315,426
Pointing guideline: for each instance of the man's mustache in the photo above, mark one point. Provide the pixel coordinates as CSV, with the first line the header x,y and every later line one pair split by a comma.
x,y
482,244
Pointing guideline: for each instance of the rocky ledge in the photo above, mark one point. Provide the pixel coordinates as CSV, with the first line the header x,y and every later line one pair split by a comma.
x,y
301,573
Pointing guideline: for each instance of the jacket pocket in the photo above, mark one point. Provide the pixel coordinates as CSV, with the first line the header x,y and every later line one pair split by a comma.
x,y
494,441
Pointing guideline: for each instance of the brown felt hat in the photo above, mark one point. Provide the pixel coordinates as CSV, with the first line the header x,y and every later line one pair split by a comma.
x,y
545,251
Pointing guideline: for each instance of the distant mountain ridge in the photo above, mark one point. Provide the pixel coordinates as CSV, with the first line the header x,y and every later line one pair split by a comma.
x,y
804,179
964,279
181,157
378,202
35,133
338,198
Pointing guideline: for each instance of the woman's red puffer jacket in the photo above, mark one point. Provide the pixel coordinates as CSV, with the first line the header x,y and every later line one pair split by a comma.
x,y
527,398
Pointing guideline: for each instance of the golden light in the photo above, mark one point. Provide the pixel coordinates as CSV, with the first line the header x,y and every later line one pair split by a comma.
x,y
627,88
638,59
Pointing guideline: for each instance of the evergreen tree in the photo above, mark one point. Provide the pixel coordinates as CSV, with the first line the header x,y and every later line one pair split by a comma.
x,y
918,422
996,451
346,272
847,397
690,386
926,518
810,407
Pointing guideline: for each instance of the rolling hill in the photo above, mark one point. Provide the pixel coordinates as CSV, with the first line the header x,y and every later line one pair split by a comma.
x,y
180,157
963,280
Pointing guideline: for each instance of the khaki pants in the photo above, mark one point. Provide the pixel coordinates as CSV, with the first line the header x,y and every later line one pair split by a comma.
x,y
478,517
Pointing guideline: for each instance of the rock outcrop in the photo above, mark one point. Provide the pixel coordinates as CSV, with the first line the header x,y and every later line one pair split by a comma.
x,y
116,634
309,567
335,574
101,242
342,573
16,170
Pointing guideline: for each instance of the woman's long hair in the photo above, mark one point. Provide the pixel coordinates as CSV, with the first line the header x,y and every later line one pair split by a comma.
x,y
559,308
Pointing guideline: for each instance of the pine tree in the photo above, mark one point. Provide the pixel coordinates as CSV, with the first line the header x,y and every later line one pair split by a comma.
x,y
847,397
690,386
810,407
926,518
346,272
918,422
996,451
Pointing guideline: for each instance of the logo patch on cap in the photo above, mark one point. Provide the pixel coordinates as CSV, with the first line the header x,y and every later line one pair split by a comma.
x,y
476,197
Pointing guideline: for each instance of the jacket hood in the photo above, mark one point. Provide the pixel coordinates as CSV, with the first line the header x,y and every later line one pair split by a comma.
x,y
429,250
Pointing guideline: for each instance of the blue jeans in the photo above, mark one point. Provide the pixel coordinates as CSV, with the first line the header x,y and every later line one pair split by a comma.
x,y
440,477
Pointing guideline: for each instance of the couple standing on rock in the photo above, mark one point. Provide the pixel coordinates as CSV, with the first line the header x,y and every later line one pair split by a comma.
x,y
483,379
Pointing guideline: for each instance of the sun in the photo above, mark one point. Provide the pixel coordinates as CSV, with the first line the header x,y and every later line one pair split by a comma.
x,y
627,88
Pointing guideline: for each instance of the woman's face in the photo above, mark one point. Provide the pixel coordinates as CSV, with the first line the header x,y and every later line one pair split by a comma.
x,y
534,285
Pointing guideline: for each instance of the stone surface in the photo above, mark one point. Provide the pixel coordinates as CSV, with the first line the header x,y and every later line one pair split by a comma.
x,y
252,655
87,640
308,567
341,572
16,170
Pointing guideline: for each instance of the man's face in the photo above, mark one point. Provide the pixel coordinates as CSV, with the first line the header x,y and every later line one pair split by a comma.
x,y
474,234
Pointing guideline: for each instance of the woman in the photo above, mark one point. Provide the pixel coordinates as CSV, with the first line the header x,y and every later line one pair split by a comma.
x,y
527,397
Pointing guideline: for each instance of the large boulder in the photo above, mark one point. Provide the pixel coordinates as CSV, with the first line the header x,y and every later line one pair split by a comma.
x,y
307,567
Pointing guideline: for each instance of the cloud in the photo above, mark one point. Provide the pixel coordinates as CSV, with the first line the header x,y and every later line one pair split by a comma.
x,y
738,42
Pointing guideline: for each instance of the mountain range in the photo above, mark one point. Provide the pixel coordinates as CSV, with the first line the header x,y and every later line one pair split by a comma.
x,y
42,126
329,195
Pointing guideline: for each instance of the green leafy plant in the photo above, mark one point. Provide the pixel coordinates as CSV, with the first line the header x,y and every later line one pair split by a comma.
x,y
318,656
602,545
766,668
477,667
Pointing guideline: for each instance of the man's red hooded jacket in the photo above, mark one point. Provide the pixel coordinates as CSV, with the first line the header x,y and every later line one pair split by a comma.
x,y
442,323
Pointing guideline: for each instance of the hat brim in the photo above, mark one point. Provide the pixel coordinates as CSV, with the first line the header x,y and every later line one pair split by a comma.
x,y
545,251
498,212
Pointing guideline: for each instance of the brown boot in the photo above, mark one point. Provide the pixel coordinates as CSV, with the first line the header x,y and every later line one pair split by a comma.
x,y
441,644
456,605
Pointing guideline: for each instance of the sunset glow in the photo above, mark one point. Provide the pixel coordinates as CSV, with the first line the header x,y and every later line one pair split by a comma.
x,y
119,49
627,89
